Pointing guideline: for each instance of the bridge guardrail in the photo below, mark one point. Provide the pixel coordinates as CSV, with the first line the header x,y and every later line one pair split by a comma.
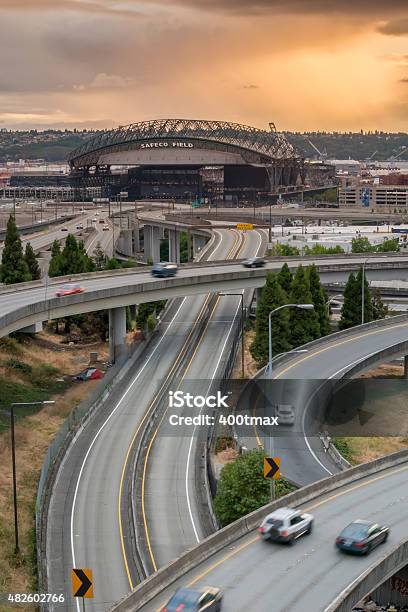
x,y
171,572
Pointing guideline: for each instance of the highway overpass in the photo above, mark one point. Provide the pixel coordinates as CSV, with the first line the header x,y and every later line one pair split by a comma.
x,y
35,302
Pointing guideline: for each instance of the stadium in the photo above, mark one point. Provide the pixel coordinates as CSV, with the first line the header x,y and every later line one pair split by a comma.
x,y
186,159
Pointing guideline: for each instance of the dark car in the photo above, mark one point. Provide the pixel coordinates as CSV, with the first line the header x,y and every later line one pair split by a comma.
x,y
164,268
208,599
360,537
254,262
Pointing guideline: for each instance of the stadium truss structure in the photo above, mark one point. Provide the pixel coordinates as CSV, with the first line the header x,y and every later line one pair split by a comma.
x,y
266,147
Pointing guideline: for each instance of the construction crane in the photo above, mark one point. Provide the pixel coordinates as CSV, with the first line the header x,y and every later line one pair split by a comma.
x,y
320,154
394,157
372,156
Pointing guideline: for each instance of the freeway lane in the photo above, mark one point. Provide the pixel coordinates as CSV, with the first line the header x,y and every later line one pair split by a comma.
x,y
83,527
172,488
325,362
266,577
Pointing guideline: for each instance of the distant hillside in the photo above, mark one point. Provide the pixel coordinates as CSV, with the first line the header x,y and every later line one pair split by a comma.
x,y
54,145
351,145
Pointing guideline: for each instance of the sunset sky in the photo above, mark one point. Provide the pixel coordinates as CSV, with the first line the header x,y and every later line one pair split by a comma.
x,y
304,64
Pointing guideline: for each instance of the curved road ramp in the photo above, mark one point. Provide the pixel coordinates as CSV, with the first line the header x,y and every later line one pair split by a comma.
x,y
312,574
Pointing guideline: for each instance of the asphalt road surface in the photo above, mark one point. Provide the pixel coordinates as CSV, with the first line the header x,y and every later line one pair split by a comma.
x,y
269,577
173,513
83,527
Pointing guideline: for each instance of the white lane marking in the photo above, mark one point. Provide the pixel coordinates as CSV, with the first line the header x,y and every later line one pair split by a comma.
x,y
108,419
307,405
209,387
102,427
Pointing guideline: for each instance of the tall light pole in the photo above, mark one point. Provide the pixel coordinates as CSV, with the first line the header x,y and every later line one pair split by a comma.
x,y
13,460
240,295
363,289
301,307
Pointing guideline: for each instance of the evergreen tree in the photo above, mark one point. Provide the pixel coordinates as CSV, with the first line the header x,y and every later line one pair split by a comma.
x,y
380,310
99,257
32,263
55,248
14,268
319,300
272,297
304,324
73,259
285,278
351,309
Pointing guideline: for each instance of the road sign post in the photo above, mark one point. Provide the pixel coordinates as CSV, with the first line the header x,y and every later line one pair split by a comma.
x,y
82,584
272,471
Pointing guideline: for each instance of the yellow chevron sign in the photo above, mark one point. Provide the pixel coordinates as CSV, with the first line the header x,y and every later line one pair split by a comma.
x,y
245,226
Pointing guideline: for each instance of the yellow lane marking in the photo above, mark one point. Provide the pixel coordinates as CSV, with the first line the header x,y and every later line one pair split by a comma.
x,y
313,506
237,239
300,360
146,529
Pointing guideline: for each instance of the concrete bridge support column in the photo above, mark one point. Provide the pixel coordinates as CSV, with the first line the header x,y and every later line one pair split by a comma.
x,y
198,244
136,239
174,245
406,366
117,332
152,243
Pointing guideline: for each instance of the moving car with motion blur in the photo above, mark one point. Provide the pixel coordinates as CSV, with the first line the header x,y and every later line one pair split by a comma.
x,y
285,525
69,289
360,537
208,599
164,268
254,262
105,228
285,414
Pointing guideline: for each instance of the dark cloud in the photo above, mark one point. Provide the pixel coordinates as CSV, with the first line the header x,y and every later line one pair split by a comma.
x,y
77,6
365,8
397,27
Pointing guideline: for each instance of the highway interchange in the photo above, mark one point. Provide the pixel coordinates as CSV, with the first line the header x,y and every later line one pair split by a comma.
x,y
87,509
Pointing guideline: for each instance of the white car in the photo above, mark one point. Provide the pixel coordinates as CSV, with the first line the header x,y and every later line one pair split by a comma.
x,y
286,525
285,414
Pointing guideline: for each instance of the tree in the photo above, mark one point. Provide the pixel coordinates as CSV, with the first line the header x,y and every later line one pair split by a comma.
x,y
304,324
241,488
320,249
99,257
283,250
361,244
319,299
272,297
55,248
32,263
73,259
351,309
112,264
285,278
14,268
388,245
380,310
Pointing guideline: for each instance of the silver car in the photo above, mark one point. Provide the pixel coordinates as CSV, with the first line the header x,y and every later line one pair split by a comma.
x,y
285,525
285,414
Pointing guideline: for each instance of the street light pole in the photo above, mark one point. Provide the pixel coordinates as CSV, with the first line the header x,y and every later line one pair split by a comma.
x,y
13,460
240,295
301,307
363,289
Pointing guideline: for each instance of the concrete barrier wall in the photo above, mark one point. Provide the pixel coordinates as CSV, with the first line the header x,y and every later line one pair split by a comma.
x,y
165,576
385,567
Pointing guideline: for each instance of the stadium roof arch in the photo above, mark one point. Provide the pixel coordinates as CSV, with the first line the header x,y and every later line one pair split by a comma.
x,y
198,141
